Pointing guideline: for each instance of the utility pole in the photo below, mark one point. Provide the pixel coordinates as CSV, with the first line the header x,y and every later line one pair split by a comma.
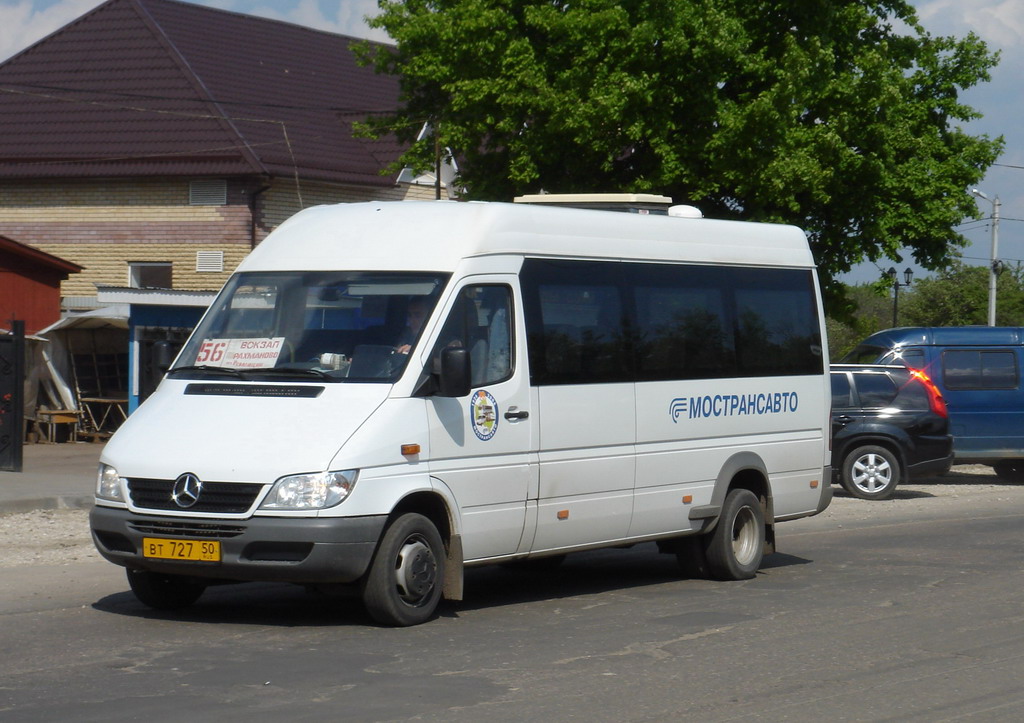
x,y
993,272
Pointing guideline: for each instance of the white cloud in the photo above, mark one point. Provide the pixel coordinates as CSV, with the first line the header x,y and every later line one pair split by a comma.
x,y
25,22
344,17
998,22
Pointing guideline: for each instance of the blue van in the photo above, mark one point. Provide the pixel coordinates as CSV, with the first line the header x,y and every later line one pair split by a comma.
x,y
978,371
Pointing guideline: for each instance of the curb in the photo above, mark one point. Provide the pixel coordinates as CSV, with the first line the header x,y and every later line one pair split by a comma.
x,y
62,502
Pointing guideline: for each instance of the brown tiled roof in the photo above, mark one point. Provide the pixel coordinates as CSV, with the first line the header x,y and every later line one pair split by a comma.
x,y
28,254
159,87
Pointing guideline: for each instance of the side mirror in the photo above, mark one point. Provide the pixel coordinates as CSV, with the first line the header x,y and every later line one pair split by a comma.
x,y
456,380
163,356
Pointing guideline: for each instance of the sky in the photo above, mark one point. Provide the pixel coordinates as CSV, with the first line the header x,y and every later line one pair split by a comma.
x,y
1000,23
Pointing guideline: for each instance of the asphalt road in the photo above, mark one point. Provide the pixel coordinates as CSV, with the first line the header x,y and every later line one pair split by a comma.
x,y
904,610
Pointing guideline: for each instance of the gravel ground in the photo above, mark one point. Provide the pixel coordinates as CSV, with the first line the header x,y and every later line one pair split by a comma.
x,y
46,537
61,537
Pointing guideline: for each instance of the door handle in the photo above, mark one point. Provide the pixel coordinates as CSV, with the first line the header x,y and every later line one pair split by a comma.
x,y
515,413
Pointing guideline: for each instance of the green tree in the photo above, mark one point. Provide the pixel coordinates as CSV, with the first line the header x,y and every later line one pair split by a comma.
x,y
840,117
870,310
959,297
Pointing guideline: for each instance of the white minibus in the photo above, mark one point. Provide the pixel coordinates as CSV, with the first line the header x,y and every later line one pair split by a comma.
x,y
386,393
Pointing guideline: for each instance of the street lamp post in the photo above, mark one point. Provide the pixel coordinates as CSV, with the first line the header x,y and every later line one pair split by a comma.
x,y
908,276
993,271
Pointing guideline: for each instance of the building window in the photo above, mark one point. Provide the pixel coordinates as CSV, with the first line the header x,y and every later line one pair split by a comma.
x,y
149,274
208,192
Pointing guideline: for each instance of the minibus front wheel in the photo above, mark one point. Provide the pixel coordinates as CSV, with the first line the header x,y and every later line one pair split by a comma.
x,y
406,577
164,592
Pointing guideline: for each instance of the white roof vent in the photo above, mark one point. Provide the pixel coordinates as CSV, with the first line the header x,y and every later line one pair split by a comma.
x,y
685,212
641,203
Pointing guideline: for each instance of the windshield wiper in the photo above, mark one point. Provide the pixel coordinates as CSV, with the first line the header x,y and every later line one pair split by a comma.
x,y
206,369
288,372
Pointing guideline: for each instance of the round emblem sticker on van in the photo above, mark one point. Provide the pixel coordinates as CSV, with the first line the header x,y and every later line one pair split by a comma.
x,y
483,413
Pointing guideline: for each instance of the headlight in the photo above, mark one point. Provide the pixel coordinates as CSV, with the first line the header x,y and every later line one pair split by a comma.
x,y
108,484
310,491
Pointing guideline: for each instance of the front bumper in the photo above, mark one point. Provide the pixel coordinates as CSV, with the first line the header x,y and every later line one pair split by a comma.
x,y
284,549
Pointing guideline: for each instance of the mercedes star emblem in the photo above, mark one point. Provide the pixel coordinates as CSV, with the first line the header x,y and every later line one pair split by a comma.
x,y
186,490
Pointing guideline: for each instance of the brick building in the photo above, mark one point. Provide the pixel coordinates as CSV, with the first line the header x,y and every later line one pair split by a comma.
x,y
153,142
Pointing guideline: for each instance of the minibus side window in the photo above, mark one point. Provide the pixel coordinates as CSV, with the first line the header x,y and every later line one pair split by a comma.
x,y
683,324
706,322
592,321
575,323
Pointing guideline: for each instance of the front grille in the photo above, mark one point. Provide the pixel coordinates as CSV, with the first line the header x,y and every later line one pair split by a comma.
x,y
218,497
186,529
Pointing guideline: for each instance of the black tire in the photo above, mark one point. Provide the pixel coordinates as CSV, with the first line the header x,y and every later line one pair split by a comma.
x,y
1010,470
735,548
164,592
406,577
870,473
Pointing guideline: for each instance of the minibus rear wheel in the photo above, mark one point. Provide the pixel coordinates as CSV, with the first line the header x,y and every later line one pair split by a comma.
x,y
164,592
735,548
406,577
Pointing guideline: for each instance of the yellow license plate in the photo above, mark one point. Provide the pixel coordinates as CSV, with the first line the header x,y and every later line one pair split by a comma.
x,y
195,550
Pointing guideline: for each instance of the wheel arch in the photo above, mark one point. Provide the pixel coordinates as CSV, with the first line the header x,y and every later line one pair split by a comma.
x,y
746,470
443,515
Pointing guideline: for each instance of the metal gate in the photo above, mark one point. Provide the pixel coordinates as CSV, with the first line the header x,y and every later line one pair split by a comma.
x,y
12,391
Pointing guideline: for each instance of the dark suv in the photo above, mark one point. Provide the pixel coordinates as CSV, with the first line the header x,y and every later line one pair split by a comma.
x,y
888,422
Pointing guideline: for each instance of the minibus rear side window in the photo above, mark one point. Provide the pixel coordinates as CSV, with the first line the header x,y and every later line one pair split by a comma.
x,y
776,322
980,369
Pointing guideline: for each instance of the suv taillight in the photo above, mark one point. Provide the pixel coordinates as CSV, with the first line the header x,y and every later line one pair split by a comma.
x,y
935,400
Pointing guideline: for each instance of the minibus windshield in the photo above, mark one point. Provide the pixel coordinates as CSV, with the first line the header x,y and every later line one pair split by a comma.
x,y
332,326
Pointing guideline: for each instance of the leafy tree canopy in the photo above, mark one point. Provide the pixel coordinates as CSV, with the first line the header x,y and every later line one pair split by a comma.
x,y
959,297
956,297
840,117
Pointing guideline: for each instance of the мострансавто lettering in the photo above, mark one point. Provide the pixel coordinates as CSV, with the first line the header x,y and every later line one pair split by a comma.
x,y
732,405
